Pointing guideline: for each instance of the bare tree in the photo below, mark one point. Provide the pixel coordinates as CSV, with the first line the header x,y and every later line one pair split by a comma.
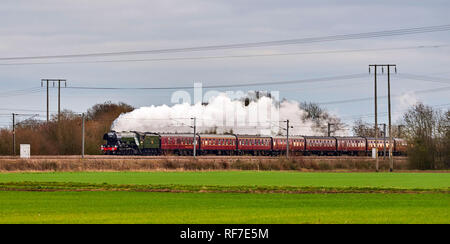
x,y
361,128
321,118
426,131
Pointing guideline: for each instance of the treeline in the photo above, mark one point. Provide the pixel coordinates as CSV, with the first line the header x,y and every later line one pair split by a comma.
x,y
427,131
63,137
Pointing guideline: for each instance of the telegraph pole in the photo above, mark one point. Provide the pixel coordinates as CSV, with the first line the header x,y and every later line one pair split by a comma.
x,y
14,133
376,114
42,84
195,141
391,161
82,135
59,94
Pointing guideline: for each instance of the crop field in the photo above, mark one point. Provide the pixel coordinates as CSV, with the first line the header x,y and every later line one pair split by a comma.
x,y
224,197
243,178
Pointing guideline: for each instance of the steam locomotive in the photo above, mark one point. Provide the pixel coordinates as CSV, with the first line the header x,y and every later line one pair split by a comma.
x,y
147,143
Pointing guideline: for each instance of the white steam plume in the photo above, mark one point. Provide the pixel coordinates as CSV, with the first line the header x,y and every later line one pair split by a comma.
x,y
222,114
404,102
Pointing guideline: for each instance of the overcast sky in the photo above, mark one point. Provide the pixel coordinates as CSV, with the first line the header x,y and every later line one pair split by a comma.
x,y
42,28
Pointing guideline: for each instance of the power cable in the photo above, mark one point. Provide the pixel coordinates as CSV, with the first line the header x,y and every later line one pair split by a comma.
x,y
332,78
231,56
365,35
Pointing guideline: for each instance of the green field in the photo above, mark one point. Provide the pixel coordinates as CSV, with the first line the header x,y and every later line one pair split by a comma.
x,y
145,207
128,197
244,178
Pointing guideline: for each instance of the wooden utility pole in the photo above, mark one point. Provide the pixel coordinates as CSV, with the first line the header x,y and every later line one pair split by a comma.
x,y
391,162
59,94
82,135
376,117
14,133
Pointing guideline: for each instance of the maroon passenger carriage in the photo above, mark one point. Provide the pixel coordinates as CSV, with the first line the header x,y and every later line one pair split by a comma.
x,y
296,145
320,145
254,145
179,144
217,144
351,145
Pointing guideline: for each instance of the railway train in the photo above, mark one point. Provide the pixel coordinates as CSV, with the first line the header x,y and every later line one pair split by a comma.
x,y
147,143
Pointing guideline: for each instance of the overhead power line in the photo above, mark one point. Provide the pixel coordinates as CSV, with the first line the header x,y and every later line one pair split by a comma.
x,y
232,56
382,114
20,92
365,35
371,98
332,78
424,78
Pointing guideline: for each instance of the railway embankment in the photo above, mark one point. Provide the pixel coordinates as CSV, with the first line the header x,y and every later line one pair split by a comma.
x,y
154,163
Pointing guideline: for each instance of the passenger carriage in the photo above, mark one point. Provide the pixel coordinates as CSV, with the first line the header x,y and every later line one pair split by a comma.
x,y
254,145
320,145
351,145
179,144
296,145
217,144
379,143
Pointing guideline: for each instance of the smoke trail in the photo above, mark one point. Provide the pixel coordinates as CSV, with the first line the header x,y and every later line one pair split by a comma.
x,y
263,116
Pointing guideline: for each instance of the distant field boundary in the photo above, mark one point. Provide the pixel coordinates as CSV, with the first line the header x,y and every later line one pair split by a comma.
x,y
71,164
75,186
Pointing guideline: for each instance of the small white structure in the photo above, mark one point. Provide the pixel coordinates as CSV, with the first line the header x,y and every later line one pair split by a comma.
x,y
374,152
25,151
